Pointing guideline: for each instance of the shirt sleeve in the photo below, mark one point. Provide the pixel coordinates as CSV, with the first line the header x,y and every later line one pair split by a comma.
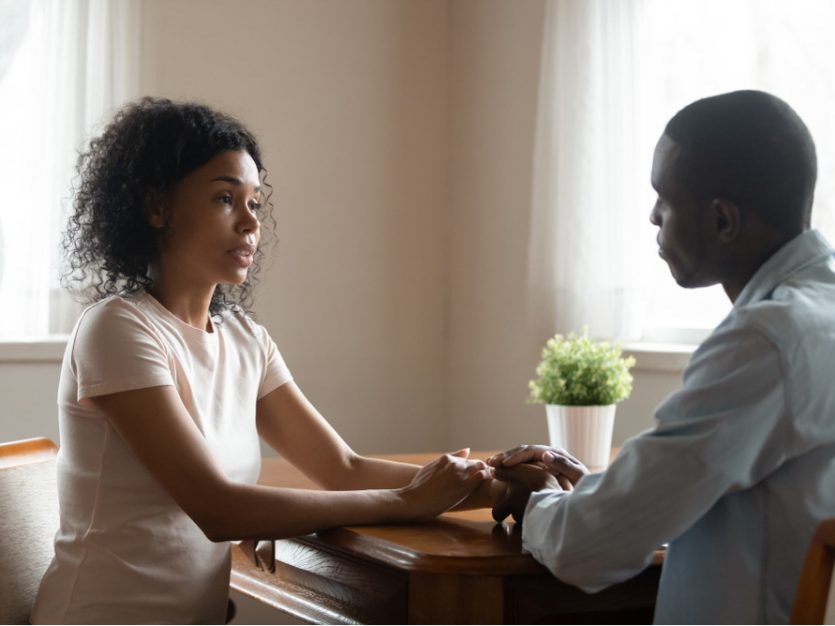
x,y
276,373
719,434
116,350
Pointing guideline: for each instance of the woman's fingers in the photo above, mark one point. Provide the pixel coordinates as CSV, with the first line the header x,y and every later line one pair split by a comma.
x,y
443,483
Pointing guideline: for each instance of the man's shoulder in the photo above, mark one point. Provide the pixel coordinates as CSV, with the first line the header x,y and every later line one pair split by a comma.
x,y
795,311
792,326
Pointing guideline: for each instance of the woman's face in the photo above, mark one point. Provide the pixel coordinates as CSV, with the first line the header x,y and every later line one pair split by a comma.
x,y
212,230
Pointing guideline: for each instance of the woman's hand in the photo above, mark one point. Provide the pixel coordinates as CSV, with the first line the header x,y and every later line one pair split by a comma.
x,y
566,468
442,484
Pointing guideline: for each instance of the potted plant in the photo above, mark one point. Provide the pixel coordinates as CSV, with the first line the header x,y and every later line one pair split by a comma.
x,y
580,382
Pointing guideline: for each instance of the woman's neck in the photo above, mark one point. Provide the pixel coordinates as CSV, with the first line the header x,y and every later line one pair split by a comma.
x,y
189,305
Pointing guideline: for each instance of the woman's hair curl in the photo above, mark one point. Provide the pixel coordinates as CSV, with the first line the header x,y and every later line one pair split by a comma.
x,y
133,168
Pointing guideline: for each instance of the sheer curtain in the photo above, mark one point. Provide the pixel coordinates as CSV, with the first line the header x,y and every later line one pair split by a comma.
x,y
582,269
76,61
612,74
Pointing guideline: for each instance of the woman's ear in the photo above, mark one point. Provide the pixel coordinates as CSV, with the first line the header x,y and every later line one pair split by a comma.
x,y
155,210
728,219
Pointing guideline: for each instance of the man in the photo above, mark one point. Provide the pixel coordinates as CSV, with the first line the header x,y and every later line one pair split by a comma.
x,y
740,467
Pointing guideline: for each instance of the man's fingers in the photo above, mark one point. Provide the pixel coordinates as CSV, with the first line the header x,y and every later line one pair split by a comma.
x,y
502,508
525,454
521,456
565,465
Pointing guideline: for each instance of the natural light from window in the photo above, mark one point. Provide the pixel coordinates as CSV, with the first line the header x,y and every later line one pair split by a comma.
x,y
713,46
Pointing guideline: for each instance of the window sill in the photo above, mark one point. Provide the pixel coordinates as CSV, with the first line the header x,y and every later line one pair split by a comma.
x,y
43,350
652,357
659,357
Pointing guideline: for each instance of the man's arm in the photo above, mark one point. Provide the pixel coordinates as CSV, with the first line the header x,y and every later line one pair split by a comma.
x,y
719,434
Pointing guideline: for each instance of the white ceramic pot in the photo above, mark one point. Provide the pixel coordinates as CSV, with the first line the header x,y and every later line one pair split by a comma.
x,y
584,431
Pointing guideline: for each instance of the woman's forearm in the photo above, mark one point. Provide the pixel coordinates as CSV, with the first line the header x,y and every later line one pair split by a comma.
x,y
255,511
238,511
368,473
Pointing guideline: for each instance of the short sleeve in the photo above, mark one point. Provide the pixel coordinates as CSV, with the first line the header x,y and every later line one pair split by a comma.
x,y
115,349
276,373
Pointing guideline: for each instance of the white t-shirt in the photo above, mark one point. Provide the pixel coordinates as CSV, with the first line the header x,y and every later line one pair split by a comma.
x,y
125,551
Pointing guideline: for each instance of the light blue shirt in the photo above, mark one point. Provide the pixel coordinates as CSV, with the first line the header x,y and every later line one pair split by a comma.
x,y
738,471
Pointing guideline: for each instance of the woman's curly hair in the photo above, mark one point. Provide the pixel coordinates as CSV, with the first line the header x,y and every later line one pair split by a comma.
x,y
131,168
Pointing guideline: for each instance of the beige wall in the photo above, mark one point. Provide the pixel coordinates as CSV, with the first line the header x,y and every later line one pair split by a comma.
x,y
399,138
492,352
349,100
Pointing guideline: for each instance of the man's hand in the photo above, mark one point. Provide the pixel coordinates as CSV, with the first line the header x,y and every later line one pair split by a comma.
x,y
566,468
522,479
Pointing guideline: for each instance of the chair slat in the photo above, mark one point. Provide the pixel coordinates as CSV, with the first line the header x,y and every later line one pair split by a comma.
x,y
816,577
27,451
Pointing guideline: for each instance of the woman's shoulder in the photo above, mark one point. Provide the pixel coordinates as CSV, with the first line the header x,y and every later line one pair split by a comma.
x,y
239,322
118,305
116,313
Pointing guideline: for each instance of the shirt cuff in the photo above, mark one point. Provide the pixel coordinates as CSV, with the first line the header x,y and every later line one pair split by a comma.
x,y
536,526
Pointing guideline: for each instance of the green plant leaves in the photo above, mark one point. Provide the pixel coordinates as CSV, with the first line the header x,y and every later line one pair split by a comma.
x,y
578,371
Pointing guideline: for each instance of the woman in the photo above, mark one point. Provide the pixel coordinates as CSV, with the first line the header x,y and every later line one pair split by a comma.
x,y
167,384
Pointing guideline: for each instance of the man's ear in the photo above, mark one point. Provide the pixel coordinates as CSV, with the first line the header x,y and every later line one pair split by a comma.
x,y
728,219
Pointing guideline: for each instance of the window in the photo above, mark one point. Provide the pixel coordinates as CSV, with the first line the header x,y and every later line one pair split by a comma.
x,y
613,73
708,47
64,64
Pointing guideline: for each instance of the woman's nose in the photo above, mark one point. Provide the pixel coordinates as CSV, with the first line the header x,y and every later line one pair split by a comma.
x,y
248,222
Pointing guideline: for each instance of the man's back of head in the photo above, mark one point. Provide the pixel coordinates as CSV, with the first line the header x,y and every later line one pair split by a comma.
x,y
751,148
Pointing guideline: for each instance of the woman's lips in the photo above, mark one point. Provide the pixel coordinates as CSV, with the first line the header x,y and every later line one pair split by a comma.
x,y
243,255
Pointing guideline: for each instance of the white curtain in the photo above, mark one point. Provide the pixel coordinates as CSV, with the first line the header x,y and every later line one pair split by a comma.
x,y
612,73
582,270
77,62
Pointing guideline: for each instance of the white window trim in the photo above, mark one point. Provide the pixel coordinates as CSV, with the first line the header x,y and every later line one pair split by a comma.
x,y
41,350
649,357
659,357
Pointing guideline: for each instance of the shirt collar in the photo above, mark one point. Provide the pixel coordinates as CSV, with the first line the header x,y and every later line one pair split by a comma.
x,y
806,249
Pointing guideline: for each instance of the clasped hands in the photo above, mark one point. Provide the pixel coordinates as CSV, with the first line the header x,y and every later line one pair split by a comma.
x,y
455,481
528,468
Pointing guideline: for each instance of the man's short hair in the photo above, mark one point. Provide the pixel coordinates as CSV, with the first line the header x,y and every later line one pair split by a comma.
x,y
751,148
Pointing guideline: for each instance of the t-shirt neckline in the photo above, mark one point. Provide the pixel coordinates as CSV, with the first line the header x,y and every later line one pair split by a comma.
x,y
204,335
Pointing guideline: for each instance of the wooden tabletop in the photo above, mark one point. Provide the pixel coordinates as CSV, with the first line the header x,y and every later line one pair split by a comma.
x,y
461,568
463,542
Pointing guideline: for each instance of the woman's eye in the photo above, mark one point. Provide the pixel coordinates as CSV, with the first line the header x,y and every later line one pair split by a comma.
x,y
225,199
255,206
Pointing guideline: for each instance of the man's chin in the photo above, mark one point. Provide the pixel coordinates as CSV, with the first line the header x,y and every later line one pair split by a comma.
x,y
689,281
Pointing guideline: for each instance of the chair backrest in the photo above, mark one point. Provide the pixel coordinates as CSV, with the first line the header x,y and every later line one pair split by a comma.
x,y
28,522
816,577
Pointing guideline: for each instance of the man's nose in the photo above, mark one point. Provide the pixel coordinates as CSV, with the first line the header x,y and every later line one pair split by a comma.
x,y
655,215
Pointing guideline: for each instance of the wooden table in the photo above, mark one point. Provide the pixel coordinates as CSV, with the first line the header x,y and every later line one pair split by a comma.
x,y
461,568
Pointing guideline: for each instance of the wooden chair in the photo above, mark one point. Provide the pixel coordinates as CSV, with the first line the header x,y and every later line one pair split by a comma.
x,y
28,522
816,577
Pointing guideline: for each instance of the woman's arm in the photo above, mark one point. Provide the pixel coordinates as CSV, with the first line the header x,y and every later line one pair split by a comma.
x,y
159,430
293,427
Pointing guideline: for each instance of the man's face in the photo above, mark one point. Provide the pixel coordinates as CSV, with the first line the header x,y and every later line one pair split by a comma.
x,y
684,227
